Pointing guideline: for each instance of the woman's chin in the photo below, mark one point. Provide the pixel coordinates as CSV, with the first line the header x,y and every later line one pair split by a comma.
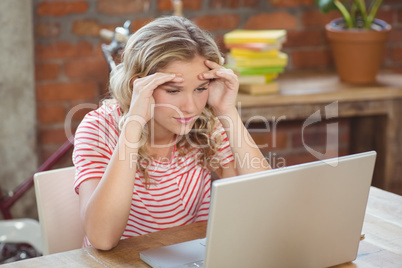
x,y
184,129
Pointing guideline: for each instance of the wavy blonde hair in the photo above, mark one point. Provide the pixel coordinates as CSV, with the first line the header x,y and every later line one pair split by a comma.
x,y
151,48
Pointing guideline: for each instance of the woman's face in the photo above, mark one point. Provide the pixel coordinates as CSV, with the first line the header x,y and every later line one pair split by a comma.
x,y
178,105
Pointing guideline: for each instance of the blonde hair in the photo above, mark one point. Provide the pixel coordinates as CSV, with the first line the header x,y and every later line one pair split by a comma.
x,y
151,48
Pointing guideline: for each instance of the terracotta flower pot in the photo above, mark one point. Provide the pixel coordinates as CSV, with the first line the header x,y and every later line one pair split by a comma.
x,y
358,53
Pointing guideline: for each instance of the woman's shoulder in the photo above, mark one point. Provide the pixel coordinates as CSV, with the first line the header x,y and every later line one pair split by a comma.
x,y
106,116
107,109
106,112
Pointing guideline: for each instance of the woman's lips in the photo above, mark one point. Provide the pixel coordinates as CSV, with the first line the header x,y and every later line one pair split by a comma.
x,y
184,120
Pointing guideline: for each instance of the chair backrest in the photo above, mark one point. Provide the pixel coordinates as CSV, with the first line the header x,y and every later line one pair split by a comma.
x,y
58,209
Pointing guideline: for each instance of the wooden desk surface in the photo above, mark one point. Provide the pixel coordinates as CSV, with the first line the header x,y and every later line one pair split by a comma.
x,y
382,246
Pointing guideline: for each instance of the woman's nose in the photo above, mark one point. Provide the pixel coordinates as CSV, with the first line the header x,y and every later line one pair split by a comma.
x,y
188,105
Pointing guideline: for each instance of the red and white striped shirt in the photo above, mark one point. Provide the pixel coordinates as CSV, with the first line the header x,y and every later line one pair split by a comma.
x,y
180,190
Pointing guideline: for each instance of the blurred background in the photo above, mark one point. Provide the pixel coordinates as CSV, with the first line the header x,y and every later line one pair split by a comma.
x,y
51,60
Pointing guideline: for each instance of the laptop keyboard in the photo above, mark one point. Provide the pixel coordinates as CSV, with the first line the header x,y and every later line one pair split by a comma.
x,y
194,264
203,241
198,263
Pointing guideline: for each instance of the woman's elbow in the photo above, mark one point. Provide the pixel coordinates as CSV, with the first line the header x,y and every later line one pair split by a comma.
x,y
103,243
102,239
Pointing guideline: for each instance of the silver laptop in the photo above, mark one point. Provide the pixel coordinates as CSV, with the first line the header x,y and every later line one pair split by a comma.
x,y
307,215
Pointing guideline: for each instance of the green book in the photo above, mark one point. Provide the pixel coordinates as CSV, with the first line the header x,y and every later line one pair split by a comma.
x,y
256,70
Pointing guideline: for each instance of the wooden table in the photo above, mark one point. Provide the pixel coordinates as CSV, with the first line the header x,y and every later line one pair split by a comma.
x,y
382,246
375,111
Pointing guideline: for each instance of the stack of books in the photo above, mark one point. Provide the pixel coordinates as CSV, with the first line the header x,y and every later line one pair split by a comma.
x,y
256,58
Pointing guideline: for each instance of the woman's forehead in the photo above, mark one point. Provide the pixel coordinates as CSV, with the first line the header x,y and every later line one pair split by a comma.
x,y
184,66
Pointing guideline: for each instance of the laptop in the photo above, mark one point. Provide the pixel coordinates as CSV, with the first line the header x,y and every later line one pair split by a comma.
x,y
307,215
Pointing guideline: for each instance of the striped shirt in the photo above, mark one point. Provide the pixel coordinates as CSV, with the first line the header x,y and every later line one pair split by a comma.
x,y
180,189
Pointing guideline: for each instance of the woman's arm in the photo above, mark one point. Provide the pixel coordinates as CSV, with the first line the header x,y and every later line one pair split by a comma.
x,y
105,203
222,98
247,156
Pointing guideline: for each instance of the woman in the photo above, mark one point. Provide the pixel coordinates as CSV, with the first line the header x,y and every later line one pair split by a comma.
x,y
144,161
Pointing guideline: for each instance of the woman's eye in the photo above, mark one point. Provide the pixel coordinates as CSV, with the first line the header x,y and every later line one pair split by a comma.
x,y
200,89
172,91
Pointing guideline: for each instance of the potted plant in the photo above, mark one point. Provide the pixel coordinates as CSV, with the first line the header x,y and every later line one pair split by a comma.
x,y
357,39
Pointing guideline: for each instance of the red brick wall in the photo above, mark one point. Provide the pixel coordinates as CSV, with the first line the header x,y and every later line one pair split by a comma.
x,y
282,142
71,70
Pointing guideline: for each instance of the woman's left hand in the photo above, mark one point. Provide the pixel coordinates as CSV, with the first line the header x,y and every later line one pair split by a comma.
x,y
222,89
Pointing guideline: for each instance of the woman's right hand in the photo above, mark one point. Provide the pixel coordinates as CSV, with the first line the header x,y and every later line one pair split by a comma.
x,y
142,101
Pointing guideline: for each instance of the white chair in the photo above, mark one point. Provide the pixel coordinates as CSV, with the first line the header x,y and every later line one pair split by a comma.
x,y
58,209
21,231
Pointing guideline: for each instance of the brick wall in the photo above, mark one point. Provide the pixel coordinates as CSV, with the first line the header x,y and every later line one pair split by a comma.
x,y
71,70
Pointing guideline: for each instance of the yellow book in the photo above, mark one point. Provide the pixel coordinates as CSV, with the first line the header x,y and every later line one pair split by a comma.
x,y
255,36
259,89
255,46
257,79
238,52
281,60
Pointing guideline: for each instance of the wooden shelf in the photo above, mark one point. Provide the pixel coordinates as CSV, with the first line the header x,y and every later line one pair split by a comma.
x,y
301,88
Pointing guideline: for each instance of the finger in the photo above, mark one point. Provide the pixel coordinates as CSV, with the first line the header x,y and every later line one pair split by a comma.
x,y
178,78
151,82
226,73
219,73
170,77
212,65
209,74
230,80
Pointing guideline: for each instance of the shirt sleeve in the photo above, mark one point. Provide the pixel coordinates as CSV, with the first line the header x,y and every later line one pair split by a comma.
x,y
94,143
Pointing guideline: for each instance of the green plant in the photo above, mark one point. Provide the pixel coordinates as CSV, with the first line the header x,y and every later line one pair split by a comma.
x,y
356,13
